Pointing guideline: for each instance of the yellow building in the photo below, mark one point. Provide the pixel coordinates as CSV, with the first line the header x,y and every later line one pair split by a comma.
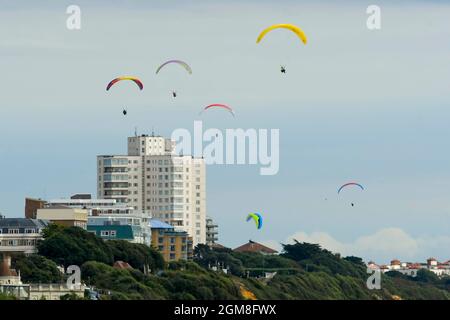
x,y
173,245
65,216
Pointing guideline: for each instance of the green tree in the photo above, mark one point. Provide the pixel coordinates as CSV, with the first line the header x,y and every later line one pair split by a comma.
x,y
37,269
137,255
73,246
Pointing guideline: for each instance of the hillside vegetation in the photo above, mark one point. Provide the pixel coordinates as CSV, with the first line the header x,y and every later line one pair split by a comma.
x,y
303,271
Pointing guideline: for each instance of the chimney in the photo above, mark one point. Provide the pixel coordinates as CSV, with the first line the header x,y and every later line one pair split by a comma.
x,y
5,266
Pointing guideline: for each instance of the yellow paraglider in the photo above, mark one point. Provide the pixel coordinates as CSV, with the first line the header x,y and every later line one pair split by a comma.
x,y
299,32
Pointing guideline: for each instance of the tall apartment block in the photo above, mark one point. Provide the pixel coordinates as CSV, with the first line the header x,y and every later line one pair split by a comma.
x,y
152,178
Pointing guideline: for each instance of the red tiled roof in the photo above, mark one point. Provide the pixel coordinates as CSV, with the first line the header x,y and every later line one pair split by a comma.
x,y
252,246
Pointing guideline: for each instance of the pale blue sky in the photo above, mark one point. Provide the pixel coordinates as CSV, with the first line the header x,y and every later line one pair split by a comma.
x,y
362,105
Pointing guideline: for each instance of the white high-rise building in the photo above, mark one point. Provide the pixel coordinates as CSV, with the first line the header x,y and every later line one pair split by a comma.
x,y
152,178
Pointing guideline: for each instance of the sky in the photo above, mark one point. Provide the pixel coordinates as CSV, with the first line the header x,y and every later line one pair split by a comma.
x,y
355,104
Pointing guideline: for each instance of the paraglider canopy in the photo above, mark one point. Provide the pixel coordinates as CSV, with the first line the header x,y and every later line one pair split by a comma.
x,y
299,32
219,105
179,62
257,218
350,184
134,79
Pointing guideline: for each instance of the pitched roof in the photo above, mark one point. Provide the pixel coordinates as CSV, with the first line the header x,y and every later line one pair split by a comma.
x,y
253,246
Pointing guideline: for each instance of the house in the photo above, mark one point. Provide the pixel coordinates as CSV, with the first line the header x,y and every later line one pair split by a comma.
x,y
253,246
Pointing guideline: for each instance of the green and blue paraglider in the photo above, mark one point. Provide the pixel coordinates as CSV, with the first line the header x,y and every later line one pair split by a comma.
x,y
257,218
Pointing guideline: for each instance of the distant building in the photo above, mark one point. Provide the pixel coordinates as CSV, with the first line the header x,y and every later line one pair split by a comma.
x,y
20,235
130,227
432,262
32,206
65,216
212,232
151,177
253,246
172,244
54,291
411,269
395,264
94,206
8,276
81,196
10,281
123,232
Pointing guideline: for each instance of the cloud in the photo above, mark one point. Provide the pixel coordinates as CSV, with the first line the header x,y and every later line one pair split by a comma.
x,y
381,246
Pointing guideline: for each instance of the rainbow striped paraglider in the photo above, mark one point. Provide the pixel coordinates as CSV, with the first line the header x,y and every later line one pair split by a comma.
x,y
134,79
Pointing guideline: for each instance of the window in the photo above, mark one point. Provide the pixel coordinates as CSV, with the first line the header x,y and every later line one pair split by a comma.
x,y
172,248
104,233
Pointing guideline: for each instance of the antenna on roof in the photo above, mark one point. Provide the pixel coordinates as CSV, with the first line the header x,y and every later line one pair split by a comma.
x,y
153,131
135,131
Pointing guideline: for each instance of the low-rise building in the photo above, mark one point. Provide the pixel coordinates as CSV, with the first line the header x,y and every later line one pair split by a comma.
x,y
171,243
94,206
65,216
54,291
20,235
130,227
